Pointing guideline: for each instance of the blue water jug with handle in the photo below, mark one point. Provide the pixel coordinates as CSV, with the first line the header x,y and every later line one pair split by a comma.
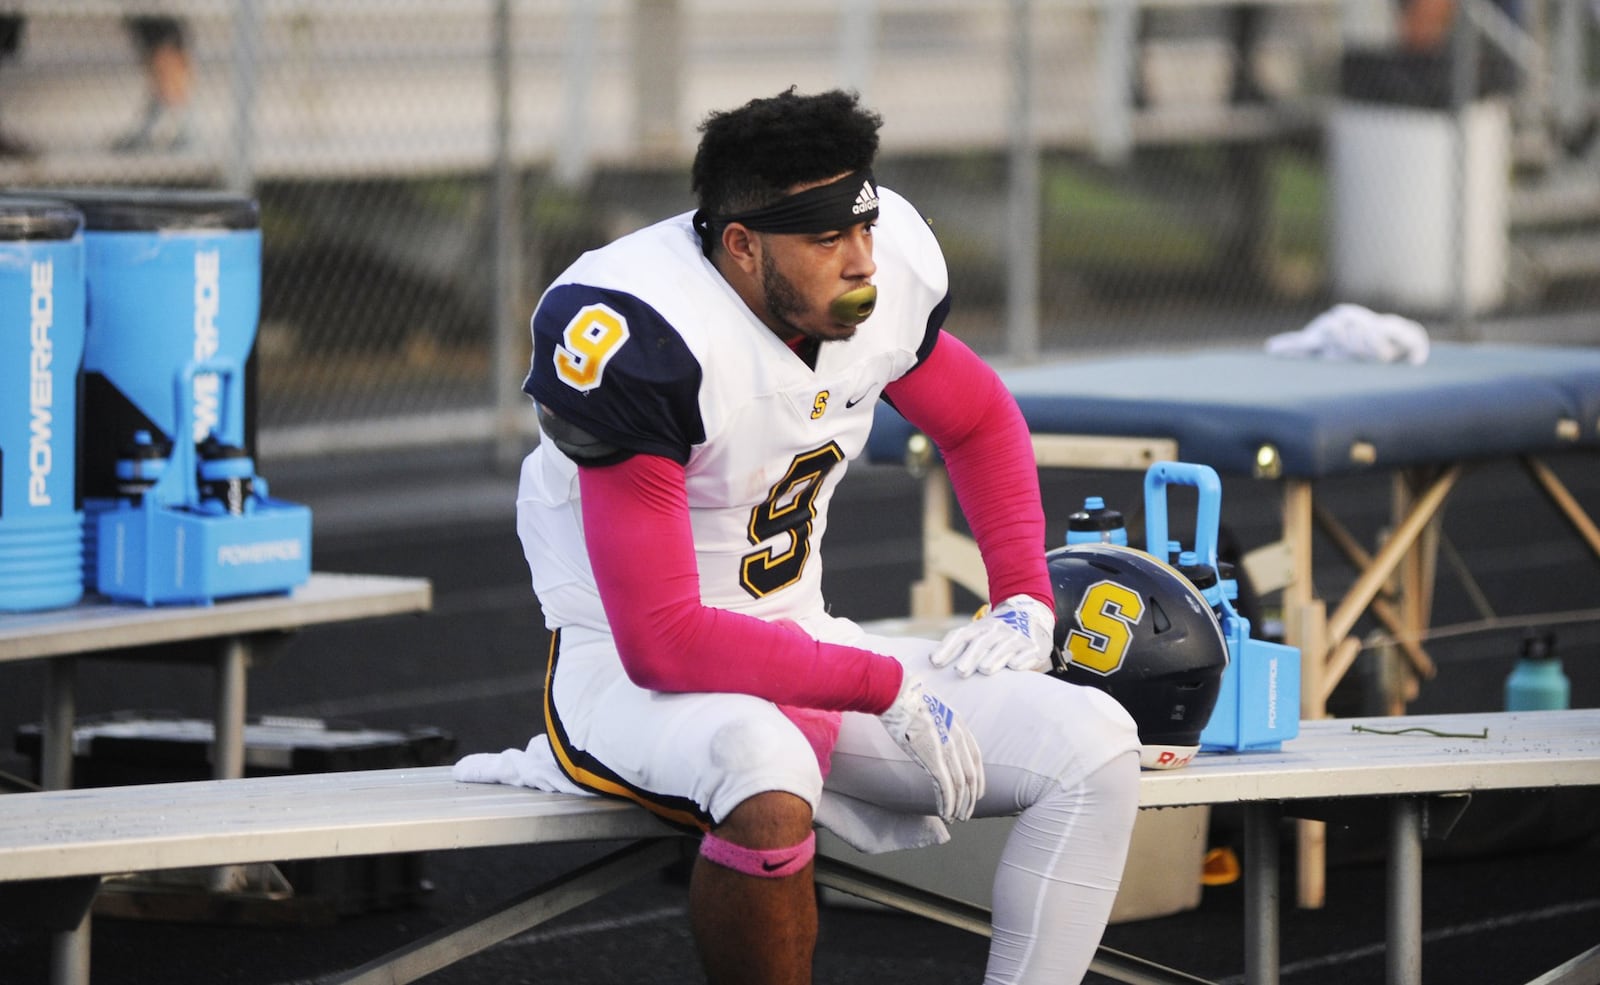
x,y
1259,704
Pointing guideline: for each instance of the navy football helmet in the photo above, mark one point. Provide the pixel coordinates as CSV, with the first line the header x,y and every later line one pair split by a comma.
x,y
1135,628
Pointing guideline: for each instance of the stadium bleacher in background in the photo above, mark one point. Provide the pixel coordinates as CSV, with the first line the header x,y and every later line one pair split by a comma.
x,y
1170,187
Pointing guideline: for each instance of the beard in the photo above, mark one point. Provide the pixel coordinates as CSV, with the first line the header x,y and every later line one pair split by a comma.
x,y
786,306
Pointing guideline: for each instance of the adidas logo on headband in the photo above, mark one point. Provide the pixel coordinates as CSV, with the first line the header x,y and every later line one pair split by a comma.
x,y
819,209
866,199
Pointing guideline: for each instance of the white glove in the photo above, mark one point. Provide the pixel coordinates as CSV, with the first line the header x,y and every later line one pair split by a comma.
x,y
931,734
1018,633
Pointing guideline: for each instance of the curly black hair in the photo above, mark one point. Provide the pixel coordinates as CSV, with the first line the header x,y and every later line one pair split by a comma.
x,y
751,156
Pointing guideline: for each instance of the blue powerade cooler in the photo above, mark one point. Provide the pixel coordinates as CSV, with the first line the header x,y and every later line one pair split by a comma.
x,y
1259,704
41,349
175,512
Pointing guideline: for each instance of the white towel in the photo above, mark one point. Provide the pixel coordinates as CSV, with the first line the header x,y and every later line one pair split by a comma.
x,y
534,767
1351,332
865,827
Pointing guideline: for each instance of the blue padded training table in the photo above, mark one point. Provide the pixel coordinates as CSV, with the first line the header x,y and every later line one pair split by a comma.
x,y
1321,417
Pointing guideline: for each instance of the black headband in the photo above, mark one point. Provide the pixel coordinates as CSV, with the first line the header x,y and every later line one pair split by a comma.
x,y
837,205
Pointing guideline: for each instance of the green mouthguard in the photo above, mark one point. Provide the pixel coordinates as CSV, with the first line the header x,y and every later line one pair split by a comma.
x,y
853,307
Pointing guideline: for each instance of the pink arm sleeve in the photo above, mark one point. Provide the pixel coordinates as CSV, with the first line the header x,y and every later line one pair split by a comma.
x,y
958,401
669,640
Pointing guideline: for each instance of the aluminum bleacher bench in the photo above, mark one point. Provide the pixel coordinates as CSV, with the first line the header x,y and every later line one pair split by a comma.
x,y
60,844
72,838
1419,766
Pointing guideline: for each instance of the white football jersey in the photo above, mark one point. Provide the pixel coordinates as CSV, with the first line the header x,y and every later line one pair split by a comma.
x,y
644,345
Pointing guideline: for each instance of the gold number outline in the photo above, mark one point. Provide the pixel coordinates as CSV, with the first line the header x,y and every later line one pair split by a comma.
x,y
790,507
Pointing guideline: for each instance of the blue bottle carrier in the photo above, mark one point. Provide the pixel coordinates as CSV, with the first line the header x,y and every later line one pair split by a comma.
x,y
199,525
1259,705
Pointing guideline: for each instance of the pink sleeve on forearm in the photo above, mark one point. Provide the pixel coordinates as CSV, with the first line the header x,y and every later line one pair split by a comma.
x,y
641,547
959,402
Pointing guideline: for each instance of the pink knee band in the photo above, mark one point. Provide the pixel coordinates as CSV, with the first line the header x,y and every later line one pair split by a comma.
x,y
766,863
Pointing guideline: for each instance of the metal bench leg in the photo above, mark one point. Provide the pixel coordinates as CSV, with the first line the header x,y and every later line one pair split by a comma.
x,y
227,730
517,914
1261,894
60,714
69,954
233,664
1405,893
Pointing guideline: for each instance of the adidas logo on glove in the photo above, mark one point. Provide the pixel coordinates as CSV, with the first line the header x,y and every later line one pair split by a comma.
x,y
942,716
1016,619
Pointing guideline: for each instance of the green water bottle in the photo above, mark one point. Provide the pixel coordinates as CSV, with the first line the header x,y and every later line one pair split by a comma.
x,y
1537,682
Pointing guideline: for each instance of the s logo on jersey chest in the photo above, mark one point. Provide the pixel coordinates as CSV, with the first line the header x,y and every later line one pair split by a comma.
x,y
819,404
593,336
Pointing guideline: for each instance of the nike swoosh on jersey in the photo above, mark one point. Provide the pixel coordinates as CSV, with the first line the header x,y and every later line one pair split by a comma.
x,y
853,401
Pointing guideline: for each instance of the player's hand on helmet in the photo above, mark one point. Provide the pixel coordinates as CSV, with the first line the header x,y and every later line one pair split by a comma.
x,y
1017,633
933,735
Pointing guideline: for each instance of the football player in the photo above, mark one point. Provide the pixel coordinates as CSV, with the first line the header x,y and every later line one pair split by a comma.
x,y
702,386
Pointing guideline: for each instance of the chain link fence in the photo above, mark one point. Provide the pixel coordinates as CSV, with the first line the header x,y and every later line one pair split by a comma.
x,y
1103,174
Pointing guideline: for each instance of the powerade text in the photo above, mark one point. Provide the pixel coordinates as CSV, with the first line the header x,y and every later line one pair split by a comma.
x,y
41,384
